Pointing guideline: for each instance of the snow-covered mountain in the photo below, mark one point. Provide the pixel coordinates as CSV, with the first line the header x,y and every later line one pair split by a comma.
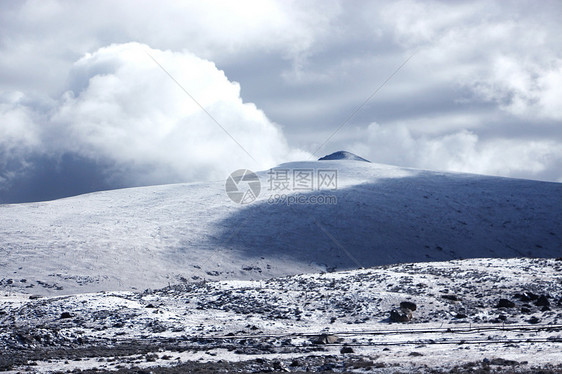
x,y
363,214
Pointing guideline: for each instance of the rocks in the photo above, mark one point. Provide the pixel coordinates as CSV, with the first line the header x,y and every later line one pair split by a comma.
x,y
534,320
325,339
503,362
65,315
400,315
542,301
278,366
505,303
450,297
408,305
142,321
499,362
404,312
346,349
295,363
526,296
252,268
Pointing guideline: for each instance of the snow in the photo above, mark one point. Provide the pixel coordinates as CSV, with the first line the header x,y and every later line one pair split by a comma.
x,y
278,319
149,237
181,275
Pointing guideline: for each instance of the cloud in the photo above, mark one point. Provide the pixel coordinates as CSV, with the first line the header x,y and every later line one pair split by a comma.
x,y
19,135
18,130
460,151
122,110
41,39
505,55
484,76
480,95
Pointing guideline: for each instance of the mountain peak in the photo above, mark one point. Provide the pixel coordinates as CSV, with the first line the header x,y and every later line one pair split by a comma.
x,y
342,155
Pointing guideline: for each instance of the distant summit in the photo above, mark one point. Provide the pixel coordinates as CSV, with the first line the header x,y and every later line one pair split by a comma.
x,y
342,155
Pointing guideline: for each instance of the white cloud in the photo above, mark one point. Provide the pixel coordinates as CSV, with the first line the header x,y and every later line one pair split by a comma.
x,y
459,151
508,55
18,130
123,108
40,39
525,89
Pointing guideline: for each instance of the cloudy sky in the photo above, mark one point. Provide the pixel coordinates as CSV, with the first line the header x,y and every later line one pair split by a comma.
x,y
87,99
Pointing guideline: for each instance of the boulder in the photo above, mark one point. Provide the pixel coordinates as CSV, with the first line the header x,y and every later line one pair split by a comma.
x,y
400,315
325,339
542,301
526,296
503,362
408,305
534,320
346,349
505,303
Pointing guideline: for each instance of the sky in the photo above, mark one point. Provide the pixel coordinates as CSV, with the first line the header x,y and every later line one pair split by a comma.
x,y
100,94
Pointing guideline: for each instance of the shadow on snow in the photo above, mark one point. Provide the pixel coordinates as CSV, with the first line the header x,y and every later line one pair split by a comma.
x,y
410,219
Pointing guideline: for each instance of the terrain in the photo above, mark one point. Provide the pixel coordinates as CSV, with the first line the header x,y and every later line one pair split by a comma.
x,y
482,314
338,265
150,237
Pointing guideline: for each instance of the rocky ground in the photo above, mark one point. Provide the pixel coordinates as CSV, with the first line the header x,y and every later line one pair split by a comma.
x,y
481,315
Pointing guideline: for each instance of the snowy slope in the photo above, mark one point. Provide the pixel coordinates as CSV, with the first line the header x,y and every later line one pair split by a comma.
x,y
152,236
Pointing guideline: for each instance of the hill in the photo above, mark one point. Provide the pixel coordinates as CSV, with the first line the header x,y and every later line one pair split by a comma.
x,y
377,214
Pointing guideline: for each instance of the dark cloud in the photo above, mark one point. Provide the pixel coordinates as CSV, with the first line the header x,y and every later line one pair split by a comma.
x,y
49,178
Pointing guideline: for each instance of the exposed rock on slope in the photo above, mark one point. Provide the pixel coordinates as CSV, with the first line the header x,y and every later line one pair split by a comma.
x,y
342,155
